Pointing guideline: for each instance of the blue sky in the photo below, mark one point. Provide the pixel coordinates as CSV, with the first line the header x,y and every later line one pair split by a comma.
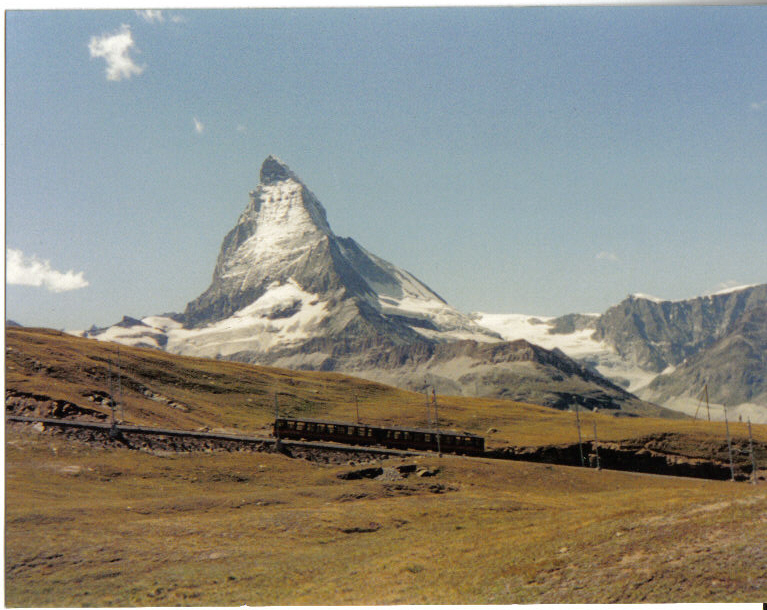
x,y
532,160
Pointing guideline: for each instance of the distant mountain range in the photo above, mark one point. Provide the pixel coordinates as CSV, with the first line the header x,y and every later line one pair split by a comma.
x,y
286,291
667,351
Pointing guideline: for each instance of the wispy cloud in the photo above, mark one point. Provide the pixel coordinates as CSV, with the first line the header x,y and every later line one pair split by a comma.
x,y
151,15
155,15
199,127
30,271
115,49
607,256
758,106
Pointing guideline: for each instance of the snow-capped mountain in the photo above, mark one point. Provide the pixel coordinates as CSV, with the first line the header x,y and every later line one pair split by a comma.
x,y
286,291
665,351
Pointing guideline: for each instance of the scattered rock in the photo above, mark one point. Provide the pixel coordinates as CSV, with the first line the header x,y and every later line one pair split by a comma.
x,y
362,473
426,472
365,529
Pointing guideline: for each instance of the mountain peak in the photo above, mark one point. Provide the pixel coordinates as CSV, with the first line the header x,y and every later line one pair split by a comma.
x,y
274,170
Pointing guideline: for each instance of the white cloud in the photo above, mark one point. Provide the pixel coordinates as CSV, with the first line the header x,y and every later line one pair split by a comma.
x,y
114,49
151,15
607,256
30,271
198,125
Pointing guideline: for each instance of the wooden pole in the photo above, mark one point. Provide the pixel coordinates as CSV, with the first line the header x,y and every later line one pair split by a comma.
x,y
357,405
276,426
751,451
729,444
119,385
111,401
436,420
596,445
578,423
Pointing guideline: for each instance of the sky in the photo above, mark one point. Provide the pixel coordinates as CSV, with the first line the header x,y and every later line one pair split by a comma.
x,y
516,160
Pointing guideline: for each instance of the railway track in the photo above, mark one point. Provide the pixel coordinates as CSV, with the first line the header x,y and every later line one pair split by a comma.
x,y
186,440
117,430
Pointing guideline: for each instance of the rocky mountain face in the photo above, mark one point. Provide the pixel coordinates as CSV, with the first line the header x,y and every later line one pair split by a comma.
x,y
286,291
657,334
733,367
666,351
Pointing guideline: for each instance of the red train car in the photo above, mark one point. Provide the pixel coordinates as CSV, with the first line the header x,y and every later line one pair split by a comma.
x,y
392,437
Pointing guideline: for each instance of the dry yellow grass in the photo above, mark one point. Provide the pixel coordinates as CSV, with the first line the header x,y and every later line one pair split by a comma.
x,y
95,527
240,398
111,527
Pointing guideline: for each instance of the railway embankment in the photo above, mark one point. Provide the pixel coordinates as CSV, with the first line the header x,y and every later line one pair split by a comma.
x,y
159,441
664,454
667,454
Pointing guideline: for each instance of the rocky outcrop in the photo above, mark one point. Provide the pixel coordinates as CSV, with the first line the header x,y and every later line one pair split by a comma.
x,y
734,367
656,334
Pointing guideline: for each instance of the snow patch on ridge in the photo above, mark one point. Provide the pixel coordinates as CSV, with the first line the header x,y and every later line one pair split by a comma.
x,y
648,297
578,345
285,315
535,329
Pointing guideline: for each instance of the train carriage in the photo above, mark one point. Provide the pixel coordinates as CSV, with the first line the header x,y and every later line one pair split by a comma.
x,y
391,437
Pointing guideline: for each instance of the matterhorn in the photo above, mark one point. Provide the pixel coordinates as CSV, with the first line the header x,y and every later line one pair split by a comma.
x,y
286,291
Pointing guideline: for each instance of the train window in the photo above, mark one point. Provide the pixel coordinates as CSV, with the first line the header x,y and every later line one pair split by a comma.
x,y
427,438
396,434
299,425
370,431
406,435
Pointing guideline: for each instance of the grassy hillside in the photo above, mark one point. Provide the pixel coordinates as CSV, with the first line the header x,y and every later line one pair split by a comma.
x,y
97,527
192,393
94,526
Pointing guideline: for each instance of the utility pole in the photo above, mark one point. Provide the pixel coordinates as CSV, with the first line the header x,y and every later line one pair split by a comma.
x,y
436,420
276,424
751,451
596,445
704,392
357,405
729,444
111,400
119,386
578,423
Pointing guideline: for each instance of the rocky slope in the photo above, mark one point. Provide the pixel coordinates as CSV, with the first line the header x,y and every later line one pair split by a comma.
x,y
657,334
665,351
733,368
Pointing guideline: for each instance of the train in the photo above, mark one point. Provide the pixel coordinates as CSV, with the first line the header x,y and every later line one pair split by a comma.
x,y
462,443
